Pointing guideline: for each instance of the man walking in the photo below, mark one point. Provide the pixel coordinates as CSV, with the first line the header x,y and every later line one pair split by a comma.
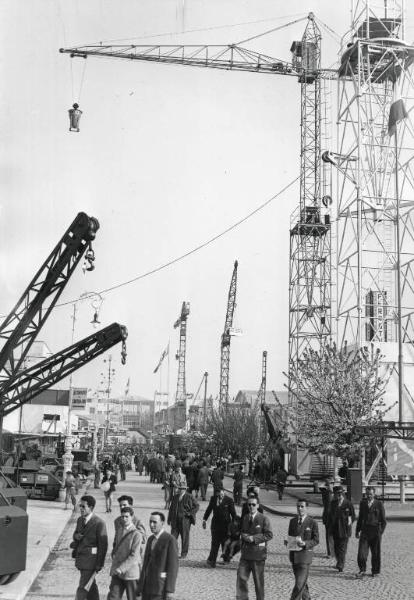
x,y
223,510
369,529
126,558
305,529
125,502
89,546
255,533
160,565
327,497
340,519
181,516
202,479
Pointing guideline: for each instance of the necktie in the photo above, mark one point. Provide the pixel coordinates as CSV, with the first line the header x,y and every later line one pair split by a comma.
x,y
300,521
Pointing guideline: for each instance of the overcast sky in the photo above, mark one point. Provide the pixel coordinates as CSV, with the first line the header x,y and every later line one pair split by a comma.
x,y
167,157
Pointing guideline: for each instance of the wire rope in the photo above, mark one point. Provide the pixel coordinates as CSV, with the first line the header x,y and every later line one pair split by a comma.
x,y
197,248
254,37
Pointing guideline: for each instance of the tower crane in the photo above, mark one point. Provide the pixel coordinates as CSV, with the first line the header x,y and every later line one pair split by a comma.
x,y
226,338
310,239
181,393
261,394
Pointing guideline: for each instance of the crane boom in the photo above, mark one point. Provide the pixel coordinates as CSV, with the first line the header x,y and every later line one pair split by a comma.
x,y
230,57
20,328
32,381
226,337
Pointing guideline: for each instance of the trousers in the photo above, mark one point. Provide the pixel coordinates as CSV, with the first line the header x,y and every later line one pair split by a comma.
x,y
118,586
300,589
369,541
81,593
218,537
256,567
340,548
182,528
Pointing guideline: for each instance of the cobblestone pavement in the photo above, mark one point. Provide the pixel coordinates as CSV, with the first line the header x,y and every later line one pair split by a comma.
x,y
58,578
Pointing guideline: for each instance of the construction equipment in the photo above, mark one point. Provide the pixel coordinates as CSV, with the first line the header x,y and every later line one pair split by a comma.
x,y
180,414
18,332
310,236
226,338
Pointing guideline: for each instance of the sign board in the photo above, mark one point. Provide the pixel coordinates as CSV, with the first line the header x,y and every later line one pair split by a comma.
x,y
79,398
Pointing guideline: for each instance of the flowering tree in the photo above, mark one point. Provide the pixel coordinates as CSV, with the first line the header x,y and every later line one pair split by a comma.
x,y
235,430
335,391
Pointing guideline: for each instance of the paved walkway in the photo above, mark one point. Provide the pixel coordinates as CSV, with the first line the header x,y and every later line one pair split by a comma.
x,y
58,577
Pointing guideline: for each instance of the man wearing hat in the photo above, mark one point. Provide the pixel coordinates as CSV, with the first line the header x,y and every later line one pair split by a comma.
x,y
181,515
223,510
340,518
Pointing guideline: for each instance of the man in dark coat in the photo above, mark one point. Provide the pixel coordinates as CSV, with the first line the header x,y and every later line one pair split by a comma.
x,y
202,479
217,477
89,546
223,510
369,529
181,515
160,566
238,485
327,497
255,533
305,529
340,519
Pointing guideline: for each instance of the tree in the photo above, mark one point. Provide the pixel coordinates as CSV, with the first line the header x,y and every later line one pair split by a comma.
x,y
235,430
335,391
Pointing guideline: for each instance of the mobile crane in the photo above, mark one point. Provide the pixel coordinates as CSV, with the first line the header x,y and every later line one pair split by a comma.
x,y
226,338
18,385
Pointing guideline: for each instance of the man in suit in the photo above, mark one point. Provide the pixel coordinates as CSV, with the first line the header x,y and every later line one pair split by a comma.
x,y
340,518
305,529
160,566
223,510
127,502
255,533
327,497
202,479
369,529
90,543
181,516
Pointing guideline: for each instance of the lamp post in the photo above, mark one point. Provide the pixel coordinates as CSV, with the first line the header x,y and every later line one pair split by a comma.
x,y
96,303
108,376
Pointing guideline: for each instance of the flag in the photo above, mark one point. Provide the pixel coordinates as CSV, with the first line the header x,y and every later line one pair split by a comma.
x,y
397,111
127,387
163,355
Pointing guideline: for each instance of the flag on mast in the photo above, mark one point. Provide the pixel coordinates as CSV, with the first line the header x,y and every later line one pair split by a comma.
x,y
163,355
127,387
397,110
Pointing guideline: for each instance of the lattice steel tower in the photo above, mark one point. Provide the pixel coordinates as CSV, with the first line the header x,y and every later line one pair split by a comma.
x,y
181,322
310,232
375,194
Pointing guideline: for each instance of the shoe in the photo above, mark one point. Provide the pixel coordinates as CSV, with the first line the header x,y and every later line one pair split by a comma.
x,y
183,556
375,574
360,574
340,569
210,564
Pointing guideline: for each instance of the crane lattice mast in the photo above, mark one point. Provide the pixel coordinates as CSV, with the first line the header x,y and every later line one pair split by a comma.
x,y
261,394
226,338
310,233
181,322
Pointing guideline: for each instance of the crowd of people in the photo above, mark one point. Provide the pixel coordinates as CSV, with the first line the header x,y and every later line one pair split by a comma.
x,y
148,566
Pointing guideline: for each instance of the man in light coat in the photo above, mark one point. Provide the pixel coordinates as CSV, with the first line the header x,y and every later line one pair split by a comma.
x,y
160,566
126,558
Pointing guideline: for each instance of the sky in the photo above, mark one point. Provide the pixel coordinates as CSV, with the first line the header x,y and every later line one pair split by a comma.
x,y
167,157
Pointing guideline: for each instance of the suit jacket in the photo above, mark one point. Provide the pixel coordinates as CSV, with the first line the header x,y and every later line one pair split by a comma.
x,y
261,532
90,550
371,519
223,513
126,553
340,518
309,533
160,566
186,508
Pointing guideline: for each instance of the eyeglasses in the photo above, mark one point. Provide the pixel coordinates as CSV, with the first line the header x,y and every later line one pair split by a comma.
x,y
251,504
